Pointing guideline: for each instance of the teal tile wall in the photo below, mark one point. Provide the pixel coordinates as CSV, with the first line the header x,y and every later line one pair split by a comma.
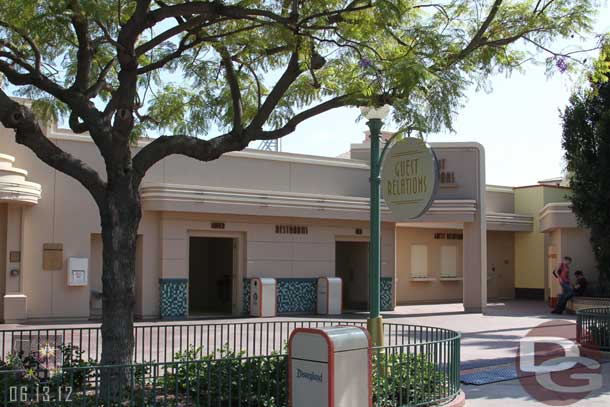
x,y
386,294
294,295
297,295
173,298
300,294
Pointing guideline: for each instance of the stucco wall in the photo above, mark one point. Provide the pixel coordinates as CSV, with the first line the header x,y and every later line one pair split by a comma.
x,y
501,264
410,290
3,253
66,214
500,200
263,252
529,246
575,243
555,194
554,254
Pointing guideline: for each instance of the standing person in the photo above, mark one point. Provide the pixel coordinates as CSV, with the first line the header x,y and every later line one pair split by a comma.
x,y
563,277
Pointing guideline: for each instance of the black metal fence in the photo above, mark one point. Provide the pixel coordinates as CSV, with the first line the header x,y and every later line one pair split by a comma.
x,y
161,342
213,364
593,328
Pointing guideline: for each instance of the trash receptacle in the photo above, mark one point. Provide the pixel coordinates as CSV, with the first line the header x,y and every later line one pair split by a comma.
x,y
329,296
263,297
330,367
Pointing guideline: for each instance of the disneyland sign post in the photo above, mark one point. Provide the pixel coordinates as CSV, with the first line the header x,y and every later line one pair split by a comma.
x,y
409,181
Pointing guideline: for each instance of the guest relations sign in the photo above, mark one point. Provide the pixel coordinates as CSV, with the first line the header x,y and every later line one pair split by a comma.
x,y
409,178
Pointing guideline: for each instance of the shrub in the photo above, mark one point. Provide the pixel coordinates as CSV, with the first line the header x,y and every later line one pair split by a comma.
x,y
406,379
229,378
33,373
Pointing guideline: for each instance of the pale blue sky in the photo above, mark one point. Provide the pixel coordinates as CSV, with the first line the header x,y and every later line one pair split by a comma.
x,y
518,123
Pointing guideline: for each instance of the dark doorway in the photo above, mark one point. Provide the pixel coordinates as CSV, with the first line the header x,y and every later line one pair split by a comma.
x,y
210,275
352,265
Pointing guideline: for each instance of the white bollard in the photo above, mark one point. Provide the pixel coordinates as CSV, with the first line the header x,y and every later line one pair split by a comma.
x,y
330,367
330,296
263,297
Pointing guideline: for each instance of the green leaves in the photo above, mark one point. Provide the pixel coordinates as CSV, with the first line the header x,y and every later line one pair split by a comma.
x,y
417,55
586,141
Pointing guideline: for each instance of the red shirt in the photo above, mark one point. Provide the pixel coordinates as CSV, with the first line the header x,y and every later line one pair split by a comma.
x,y
564,273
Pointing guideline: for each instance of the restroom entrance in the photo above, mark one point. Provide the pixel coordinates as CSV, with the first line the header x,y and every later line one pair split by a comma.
x,y
352,266
211,270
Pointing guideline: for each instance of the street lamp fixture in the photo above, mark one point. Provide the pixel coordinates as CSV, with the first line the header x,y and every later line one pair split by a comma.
x,y
375,116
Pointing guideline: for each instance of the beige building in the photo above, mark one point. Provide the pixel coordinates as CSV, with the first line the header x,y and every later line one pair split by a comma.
x,y
207,228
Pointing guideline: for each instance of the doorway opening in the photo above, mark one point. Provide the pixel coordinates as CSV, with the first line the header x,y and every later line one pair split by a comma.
x,y
352,266
211,270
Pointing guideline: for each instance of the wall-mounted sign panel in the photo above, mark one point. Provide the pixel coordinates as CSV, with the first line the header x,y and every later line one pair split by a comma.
x,y
52,256
409,178
78,271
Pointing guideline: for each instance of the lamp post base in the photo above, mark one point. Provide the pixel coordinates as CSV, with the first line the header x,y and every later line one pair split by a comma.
x,y
375,328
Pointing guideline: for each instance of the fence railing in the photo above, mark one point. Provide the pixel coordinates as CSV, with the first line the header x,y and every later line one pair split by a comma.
x,y
593,328
161,342
248,367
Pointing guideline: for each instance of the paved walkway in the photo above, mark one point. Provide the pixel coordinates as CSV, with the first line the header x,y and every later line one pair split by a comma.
x,y
486,339
493,337
513,394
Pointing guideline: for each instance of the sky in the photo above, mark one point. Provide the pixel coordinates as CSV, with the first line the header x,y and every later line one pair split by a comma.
x,y
518,123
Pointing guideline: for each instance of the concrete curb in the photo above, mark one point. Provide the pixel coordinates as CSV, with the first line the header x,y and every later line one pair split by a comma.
x,y
458,401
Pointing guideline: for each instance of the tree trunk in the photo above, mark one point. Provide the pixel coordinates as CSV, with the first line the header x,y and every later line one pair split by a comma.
x,y
120,218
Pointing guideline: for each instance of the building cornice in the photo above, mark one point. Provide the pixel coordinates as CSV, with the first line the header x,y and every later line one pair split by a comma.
x,y
557,215
511,222
499,188
14,188
191,198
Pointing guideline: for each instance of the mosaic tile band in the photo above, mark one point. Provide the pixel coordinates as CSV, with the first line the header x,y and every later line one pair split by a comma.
x,y
299,295
295,295
173,298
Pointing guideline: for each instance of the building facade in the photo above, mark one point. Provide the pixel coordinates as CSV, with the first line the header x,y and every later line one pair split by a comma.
x,y
207,228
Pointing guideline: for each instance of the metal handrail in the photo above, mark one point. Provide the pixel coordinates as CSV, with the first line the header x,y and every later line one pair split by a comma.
x,y
418,366
593,328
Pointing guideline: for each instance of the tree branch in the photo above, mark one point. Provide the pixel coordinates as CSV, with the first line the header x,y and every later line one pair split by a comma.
x,y
28,133
124,97
292,124
199,149
101,80
169,33
28,39
183,46
210,10
478,37
208,150
234,88
291,73
84,53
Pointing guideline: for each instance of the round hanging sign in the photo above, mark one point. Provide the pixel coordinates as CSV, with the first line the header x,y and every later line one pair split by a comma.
x,y
409,178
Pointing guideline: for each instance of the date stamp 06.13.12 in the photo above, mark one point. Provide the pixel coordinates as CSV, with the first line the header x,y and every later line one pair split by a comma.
x,y
40,394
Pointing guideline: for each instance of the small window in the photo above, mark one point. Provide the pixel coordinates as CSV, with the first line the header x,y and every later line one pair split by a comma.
x,y
448,261
419,261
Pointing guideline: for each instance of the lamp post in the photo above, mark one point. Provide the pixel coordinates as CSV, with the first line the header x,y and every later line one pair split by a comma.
x,y
374,324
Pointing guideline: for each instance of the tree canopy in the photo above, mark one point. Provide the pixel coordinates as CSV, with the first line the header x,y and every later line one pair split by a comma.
x,y
586,141
254,65
251,69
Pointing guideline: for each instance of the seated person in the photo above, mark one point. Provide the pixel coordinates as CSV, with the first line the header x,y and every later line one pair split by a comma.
x,y
580,286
